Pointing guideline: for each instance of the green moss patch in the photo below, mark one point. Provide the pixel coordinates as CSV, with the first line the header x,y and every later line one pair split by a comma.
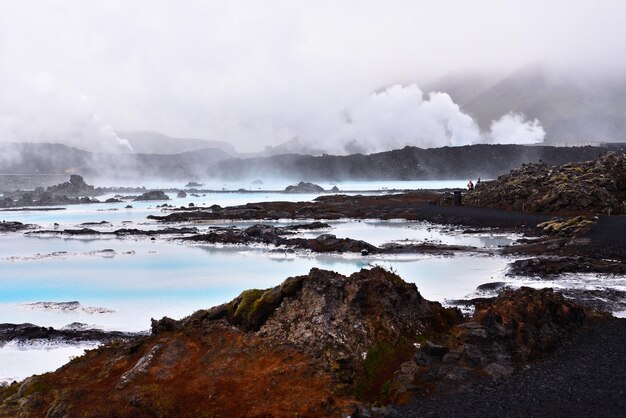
x,y
378,369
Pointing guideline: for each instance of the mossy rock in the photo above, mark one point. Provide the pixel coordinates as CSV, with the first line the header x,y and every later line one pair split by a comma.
x,y
254,307
379,366
246,301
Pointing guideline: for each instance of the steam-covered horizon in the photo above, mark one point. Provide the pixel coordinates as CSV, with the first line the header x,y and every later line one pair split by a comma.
x,y
336,77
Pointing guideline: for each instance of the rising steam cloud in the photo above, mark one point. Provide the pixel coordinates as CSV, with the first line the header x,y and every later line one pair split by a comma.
x,y
402,115
43,110
512,128
40,109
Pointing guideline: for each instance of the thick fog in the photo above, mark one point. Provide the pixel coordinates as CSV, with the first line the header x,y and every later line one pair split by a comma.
x,y
339,76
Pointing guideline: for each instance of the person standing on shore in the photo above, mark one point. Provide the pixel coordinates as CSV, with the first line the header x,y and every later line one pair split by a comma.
x,y
470,185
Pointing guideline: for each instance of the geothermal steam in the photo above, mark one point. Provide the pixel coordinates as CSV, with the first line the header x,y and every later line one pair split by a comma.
x,y
40,109
403,115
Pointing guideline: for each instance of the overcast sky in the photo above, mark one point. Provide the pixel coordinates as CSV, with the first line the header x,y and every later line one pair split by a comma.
x,y
256,73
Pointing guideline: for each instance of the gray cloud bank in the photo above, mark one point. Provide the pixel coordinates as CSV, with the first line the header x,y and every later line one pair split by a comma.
x,y
340,76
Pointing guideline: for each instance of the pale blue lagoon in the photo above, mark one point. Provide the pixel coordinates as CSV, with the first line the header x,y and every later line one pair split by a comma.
x,y
121,283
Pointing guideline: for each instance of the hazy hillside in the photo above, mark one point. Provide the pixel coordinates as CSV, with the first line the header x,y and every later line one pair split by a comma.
x,y
486,161
463,87
146,142
29,158
571,111
472,161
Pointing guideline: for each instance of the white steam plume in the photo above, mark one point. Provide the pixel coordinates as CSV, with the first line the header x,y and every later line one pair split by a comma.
x,y
513,128
401,115
40,109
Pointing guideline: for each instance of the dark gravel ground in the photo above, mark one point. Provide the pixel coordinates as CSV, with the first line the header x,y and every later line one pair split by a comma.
x,y
477,217
585,377
608,237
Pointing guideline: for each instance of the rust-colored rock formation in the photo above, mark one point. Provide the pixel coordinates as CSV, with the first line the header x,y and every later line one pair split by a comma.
x,y
317,345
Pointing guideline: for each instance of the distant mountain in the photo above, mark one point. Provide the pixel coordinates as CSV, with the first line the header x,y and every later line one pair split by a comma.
x,y
583,110
409,163
293,146
146,142
463,87
36,158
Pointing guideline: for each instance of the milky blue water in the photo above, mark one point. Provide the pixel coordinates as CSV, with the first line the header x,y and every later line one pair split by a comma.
x,y
145,279
137,278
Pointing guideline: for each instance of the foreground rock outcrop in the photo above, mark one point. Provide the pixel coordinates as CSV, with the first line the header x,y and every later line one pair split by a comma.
x,y
502,336
317,345
597,186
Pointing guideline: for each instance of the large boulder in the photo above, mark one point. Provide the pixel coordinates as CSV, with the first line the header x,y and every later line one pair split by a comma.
x,y
152,195
304,187
75,187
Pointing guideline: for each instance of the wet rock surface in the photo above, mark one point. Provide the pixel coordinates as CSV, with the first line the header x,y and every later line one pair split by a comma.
x,y
152,195
324,243
317,345
304,187
194,184
14,226
416,206
550,266
74,191
574,245
76,186
118,232
28,333
277,236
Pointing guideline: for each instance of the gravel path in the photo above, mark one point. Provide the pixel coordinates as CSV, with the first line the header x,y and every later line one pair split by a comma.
x,y
477,217
608,237
586,377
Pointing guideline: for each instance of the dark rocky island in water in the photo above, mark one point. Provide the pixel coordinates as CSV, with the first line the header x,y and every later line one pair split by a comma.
x,y
74,191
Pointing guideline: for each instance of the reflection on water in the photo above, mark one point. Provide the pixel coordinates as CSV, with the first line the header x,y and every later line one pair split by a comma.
x,y
18,362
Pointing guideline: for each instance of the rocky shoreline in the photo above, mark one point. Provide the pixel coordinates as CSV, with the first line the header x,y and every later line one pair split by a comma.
x,y
415,206
74,333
